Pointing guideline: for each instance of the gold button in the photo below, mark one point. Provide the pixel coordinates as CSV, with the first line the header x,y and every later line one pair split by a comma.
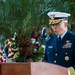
x,y
54,61
66,58
56,54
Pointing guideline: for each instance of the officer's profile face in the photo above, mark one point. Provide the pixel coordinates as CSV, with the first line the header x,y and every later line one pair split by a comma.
x,y
60,28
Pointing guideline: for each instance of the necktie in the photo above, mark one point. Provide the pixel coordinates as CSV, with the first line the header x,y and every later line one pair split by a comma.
x,y
59,40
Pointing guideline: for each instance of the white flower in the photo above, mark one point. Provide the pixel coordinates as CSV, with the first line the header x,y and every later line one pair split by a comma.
x,y
13,38
15,49
43,46
33,40
16,55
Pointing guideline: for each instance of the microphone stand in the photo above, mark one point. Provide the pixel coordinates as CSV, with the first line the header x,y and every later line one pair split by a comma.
x,y
28,51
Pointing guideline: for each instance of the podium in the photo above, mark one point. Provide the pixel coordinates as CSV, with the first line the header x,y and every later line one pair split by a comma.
x,y
34,68
15,69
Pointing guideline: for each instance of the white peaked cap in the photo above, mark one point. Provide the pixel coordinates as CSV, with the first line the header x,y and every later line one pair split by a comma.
x,y
58,14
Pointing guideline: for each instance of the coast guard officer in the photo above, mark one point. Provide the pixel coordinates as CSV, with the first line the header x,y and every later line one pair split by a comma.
x,y
60,49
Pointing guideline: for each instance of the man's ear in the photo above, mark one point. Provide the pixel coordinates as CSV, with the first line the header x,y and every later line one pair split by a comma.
x,y
66,24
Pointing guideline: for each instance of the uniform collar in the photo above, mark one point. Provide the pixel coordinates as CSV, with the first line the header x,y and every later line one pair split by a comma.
x,y
63,34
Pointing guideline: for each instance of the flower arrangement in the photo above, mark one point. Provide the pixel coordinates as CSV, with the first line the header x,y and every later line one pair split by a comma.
x,y
2,55
12,48
16,51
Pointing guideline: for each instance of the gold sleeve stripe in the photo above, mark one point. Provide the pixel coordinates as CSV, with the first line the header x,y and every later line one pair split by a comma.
x,y
71,71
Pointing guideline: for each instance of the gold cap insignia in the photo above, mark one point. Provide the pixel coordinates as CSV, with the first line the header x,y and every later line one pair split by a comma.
x,y
52,16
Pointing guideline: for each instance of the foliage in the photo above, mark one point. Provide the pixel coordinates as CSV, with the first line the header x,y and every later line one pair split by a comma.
x,y
38,54
26,14
23,14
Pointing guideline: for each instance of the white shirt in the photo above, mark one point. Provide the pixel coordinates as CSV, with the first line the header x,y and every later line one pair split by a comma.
x,y
63,34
